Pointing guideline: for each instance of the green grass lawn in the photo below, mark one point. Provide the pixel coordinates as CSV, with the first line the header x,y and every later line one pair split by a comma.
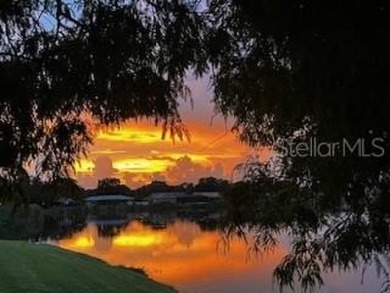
x,y
27,267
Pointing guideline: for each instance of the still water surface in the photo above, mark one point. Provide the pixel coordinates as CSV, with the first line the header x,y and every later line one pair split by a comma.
x,y
191,258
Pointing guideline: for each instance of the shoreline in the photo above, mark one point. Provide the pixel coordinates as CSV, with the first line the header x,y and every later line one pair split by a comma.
x,y
29,267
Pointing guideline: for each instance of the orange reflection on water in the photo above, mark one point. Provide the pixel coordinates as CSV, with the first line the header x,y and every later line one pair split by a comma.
x,y
179,255
83,242
136,240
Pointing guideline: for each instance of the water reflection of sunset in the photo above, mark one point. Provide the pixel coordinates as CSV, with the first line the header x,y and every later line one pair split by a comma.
x,y
180,255
137,240
83,241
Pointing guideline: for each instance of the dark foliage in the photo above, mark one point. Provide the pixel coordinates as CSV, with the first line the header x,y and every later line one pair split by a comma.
x,y
64,64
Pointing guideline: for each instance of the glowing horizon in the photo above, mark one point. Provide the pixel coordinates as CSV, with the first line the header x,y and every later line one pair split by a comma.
x,y
136,153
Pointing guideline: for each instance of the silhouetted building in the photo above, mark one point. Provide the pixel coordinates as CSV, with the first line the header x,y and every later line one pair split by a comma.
x,y
210,194
108,199
169,197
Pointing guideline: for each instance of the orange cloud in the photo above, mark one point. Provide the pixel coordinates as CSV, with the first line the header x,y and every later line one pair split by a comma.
x,y
212,152
133,134
137,150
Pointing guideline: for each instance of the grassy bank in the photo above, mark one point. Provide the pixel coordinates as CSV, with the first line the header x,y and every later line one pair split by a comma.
x,y
27,267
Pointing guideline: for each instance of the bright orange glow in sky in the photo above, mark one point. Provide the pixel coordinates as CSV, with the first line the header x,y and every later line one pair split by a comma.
x,y
133,135
136,153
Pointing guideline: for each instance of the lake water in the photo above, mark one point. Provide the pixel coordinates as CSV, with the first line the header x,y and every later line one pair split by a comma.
x,y
193,256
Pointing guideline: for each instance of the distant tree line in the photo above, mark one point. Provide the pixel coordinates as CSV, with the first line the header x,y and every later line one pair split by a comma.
x,y
50,192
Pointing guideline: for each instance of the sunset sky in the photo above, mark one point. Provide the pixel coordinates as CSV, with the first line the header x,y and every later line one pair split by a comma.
x,y
136,153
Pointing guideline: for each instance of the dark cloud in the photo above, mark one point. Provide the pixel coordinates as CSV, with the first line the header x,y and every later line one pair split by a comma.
x,y
185,170
103,169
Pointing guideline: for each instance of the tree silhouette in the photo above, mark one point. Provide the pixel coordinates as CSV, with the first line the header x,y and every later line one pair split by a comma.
x,y
211,184
281,64
64,64
276,68
111,186
289,72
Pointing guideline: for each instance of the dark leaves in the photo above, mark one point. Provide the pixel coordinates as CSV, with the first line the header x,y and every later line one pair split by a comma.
x,y
113,61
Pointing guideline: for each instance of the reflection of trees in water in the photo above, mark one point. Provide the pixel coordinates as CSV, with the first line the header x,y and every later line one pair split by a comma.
x,y
110,231
35,223
22,223
63,223
186,232
207,218
349,235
